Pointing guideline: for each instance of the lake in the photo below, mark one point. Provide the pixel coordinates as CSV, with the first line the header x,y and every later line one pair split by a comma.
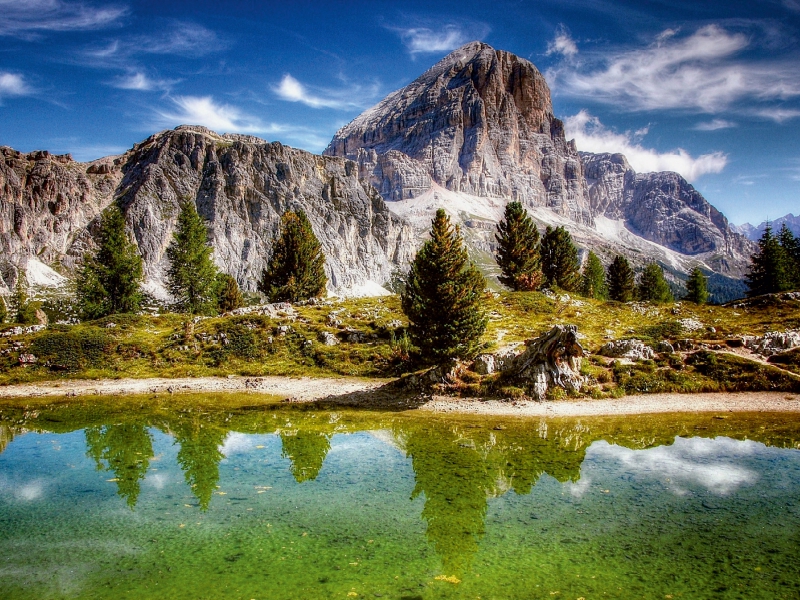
x,y
293,502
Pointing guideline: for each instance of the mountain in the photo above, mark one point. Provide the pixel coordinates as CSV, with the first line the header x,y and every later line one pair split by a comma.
x,y
479,122
666,209
240,184
754,232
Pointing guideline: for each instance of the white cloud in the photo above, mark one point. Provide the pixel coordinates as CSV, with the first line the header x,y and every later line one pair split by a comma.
x,y
292,90
562,44
422,40
13,84
27,18
591,136
778,115
696,72
714,125
141,82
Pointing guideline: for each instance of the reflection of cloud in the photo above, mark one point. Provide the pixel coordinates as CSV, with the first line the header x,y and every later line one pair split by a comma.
x,y
157,480
236,443
708,463
580,487
592,136
30,491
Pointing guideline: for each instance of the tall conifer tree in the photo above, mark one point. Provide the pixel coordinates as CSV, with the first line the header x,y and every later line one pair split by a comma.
x,y
229,296
109,282
442,298
560,264
518,249
296,268
767,274
594,278
191,273
620,279
791,252
652,285
697,287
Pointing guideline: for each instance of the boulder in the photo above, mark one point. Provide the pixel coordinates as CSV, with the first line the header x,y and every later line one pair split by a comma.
x,y
551,360
328,339
631,349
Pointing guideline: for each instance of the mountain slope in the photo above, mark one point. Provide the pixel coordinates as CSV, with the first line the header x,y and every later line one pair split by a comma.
x,y
754,232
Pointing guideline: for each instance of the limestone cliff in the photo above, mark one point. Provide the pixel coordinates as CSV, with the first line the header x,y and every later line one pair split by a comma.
x,y
479,122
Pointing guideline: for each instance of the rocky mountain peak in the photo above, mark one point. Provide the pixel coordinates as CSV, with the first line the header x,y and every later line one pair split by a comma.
x,y
479,122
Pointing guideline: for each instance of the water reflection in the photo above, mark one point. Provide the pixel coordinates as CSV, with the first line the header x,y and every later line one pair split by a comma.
x,y
306,450
125,450
199,455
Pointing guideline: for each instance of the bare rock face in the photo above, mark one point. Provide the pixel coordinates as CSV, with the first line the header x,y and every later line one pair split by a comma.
x,y
663,208
479,122
46,203
242,185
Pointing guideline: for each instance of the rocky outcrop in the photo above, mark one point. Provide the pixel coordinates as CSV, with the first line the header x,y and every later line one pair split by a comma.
x,y
551,360
631,349
479,122
663,208
242,185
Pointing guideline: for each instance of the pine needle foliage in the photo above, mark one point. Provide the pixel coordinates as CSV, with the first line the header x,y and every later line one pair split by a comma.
x,y
697,287
791,251
229,296
109,282
593,284
620,278
652,285
767,274
518,250
442,298
560,264
296,268
191,274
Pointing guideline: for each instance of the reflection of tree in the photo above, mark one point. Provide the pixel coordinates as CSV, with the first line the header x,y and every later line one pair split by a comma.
x,y
126,449
6,436
199,456
307,451
454,479
528,457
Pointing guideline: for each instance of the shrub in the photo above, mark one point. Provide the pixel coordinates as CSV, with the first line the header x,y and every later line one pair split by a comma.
x,y
73,350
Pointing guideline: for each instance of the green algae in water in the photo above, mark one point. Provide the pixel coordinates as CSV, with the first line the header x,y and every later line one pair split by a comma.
x,y
273,502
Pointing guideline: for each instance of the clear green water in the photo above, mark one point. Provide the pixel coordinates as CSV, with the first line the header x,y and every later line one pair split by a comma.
x,y
280,503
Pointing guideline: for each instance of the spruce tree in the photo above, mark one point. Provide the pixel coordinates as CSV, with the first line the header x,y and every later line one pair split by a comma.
x,y
791,252
3,310
518,249
229,296
652,285
109,282
560,264
296,268
594,278
191,273
697,287
620,280
767,274
19,299
442,298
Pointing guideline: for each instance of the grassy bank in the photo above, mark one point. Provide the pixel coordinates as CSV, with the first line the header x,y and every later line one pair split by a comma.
x,y
372,343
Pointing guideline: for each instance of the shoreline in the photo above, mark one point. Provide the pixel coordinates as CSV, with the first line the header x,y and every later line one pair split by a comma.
x,y
379,394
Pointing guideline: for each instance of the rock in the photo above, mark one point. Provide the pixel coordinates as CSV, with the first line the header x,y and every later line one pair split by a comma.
x,y
691,325
501,360
328,339
334,321
664,347
552,359
41,317
282,330
27,359
479,122
110,325
772,342
484,364
631,349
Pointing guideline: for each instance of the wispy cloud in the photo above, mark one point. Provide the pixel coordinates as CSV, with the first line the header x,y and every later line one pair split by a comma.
x,y
703,71
13,84
592,136
562,44
30,18
714,125
778,115
141,82
226,118
292,90
426,37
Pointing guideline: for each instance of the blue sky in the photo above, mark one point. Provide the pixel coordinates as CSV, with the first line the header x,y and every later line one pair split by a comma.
x,y
708,89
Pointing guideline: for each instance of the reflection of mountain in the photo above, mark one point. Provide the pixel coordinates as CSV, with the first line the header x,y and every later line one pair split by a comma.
x,y
199,455
126,449
306,450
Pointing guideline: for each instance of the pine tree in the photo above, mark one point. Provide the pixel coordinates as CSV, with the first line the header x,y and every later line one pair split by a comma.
x,y
24,309
697,287
652,285
594,278
767,274
229,296
560,264
296,269
109,281
518,249
3,310
191,273
620,280
791,251
443,293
